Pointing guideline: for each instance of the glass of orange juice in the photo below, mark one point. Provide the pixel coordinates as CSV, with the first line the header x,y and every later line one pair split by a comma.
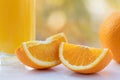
x,y
17,24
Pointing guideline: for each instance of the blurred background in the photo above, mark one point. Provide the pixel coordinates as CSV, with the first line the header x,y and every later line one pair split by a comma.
x,y
80,20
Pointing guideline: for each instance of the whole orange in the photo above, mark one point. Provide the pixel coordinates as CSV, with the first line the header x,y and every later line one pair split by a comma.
x,y
110,34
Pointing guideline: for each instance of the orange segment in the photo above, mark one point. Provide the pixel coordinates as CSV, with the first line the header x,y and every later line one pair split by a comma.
x,y
49,51
84,59
41,54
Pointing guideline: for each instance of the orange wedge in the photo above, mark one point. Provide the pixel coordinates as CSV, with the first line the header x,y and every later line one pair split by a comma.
x,y
41,54
84,59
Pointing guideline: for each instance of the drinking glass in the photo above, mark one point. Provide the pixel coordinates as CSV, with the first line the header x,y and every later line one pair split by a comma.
x,y
17,24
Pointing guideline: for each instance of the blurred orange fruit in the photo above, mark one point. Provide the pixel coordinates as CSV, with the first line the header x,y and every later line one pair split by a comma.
x,y
84,59
110,34
41,54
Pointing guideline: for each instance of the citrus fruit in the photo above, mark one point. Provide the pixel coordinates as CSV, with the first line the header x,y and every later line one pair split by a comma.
x,y
41,54
84,59
110,34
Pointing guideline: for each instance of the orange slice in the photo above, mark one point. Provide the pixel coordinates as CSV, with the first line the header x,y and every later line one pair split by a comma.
x,y
84,59
41,54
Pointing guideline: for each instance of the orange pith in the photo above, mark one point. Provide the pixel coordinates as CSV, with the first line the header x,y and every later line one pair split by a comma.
x,y
41,54
84,59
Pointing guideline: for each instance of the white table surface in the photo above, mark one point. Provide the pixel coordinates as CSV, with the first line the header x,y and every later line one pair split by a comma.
x,y
20,72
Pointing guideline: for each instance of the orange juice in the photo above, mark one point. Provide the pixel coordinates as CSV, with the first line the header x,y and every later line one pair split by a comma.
x,y
17,23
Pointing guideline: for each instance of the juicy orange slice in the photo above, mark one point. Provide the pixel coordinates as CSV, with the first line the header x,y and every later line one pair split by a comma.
x,y
84,59
41,54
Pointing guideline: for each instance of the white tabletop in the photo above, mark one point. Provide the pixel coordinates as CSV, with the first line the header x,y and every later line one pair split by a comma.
x,y
20,72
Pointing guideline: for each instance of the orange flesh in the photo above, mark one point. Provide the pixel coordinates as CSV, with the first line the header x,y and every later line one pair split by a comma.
x,y
47,52
80,56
